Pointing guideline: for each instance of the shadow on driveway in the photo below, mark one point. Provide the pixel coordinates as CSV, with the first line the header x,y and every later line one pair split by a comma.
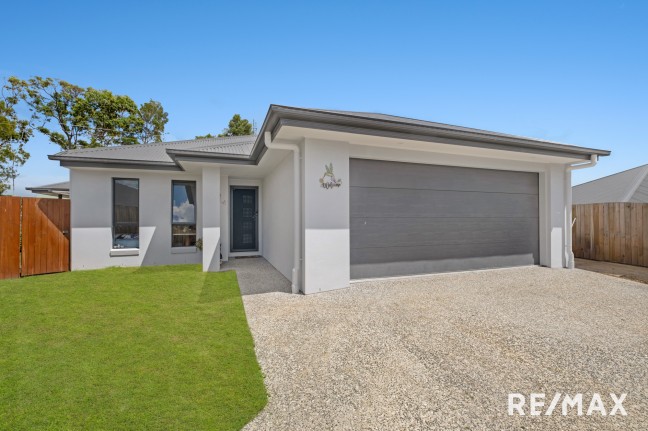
x,y
635,273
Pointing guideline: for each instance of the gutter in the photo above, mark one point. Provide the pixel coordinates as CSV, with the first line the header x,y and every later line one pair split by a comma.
x,y
95,162
203,156
296,203
569,222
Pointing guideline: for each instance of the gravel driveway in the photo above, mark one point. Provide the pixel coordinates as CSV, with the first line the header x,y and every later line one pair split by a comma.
x,y
445,351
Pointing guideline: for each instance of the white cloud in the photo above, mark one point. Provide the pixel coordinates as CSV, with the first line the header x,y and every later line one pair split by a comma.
x,y
185,213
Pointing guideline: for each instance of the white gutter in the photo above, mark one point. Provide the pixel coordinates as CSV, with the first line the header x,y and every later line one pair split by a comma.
x,y
296,202
569,252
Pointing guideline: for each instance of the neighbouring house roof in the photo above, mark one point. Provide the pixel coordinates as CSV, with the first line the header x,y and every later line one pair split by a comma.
x,y
56,189
626,186
250,149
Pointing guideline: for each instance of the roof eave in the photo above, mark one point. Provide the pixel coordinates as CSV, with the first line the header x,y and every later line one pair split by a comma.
x,y
85,162
279,116
208,157
56,189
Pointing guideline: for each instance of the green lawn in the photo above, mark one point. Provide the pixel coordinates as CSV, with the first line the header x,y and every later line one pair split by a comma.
x,y
152,348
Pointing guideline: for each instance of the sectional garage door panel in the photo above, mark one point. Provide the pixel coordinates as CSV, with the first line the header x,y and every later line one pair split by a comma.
x,y
403,232
396,175
415,219
386,202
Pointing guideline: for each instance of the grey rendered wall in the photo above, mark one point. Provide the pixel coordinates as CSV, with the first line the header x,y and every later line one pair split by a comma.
x,y
277,203
411,218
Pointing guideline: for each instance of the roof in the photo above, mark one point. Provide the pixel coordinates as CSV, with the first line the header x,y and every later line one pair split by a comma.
x,y
159,154
626,186
376,124
56,189
425,123
250,149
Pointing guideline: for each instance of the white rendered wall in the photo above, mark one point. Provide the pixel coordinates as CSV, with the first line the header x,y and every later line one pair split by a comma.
x,y
224,216
555,212
91,219
211,218
326,264
277,205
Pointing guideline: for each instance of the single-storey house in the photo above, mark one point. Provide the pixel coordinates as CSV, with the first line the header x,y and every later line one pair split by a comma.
x,y
328,197
627,186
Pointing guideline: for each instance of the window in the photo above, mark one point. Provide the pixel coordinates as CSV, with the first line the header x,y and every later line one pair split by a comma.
x,y
183,217
125,213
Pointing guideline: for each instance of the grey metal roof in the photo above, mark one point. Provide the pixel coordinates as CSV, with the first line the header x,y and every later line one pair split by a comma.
x,y
626,186
407,128
157,154
250,149
414,121
56,189
240,148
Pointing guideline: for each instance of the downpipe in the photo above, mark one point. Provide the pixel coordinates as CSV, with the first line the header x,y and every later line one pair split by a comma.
x,y
569,222
297,205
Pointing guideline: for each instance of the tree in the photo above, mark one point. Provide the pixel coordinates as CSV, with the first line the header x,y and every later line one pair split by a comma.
x,y
75,117
51,99
154,119
208,135
237,127
107,119
14,134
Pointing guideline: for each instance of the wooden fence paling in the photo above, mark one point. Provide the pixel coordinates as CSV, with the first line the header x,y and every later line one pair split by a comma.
x,y
46,243
43,226
9,237
611,232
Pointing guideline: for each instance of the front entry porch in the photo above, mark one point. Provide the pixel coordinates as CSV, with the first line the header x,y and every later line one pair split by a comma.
x,y
255,275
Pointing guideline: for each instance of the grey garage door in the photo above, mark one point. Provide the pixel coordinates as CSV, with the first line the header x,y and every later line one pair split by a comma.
x,y
409,218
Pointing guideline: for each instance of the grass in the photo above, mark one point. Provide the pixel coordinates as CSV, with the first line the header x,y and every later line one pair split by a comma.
x,y
152,348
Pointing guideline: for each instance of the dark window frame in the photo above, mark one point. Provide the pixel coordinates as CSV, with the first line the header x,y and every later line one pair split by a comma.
x,y
195,223
114,181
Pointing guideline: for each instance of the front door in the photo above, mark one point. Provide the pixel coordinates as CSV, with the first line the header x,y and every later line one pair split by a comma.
x,y
244,220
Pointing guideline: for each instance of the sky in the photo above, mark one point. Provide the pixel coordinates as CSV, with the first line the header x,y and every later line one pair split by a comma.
x,y
569,71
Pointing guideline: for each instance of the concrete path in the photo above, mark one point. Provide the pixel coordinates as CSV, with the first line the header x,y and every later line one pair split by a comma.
x,y
444,352
255,276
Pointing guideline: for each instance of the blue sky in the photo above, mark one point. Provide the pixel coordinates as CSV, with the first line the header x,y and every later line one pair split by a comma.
x,y
569,71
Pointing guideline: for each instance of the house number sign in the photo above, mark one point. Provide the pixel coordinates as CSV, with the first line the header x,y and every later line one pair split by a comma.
x,y
328,180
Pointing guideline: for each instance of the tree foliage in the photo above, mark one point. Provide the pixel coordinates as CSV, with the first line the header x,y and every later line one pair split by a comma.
x,y
50,99
14,134
107,119
208,135
75,117
71,117
237,127
154,119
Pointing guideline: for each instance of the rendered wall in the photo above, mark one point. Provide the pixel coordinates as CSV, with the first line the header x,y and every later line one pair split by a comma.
x,y
211,218
277,221
91,219
326,255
